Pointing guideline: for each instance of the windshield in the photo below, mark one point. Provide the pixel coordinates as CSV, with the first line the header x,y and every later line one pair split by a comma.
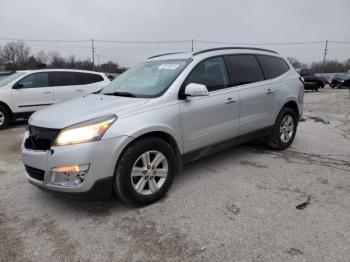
x,y
148,79
10,78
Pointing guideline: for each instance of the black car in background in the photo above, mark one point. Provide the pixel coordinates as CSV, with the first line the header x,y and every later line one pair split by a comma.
x,y
311,81
341,81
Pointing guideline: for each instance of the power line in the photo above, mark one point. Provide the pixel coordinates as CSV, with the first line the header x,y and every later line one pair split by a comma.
x,y
245,43
169,41
144,42
340,42
46,41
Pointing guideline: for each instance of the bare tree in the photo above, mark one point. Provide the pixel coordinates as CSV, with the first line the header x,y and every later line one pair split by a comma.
x,y
42,57
296,63
56,60
15,54
71,63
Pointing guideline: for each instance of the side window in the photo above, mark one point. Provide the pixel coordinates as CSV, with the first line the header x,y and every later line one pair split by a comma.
x,y
273,66
27,82
35,80
244,69
62,79
212,73
41,79
87,78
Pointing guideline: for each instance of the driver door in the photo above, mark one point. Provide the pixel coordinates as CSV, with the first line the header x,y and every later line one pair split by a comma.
x,y
32,93
211,119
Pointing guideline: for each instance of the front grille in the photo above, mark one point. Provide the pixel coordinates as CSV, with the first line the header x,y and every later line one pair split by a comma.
x,y
35,173
40,138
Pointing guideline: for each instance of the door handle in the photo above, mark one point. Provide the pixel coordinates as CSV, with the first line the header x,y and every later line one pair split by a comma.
x,y
79,90
270,91
230,100
47,92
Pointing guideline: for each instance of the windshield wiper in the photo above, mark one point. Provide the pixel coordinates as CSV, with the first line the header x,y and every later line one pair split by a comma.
x,y
127,94
98,91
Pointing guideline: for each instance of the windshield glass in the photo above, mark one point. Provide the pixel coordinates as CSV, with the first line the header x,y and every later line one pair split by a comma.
x,y
148,79
10,78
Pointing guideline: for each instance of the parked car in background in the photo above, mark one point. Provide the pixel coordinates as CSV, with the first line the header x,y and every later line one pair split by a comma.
x,y
3,75
133,136
311,81
341,81
326,79
27,91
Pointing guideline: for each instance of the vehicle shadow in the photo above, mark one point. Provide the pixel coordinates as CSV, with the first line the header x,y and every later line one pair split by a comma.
x,y
17,124
191,171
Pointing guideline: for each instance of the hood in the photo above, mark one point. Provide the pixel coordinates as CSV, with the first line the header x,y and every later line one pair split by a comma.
x,y
81,109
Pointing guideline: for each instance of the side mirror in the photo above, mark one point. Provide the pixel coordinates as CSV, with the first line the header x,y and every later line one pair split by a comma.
x,y
194,90
17,86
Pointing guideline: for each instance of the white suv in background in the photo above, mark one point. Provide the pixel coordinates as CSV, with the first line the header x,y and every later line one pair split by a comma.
x,y
27,91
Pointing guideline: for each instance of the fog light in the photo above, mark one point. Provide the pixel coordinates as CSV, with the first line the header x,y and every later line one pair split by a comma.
x,y
69,176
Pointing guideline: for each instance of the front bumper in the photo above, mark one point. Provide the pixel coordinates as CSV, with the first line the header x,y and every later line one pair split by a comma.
x,y
100,155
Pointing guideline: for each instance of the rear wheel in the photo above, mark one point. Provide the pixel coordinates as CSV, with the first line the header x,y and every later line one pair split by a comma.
x,y
145,171
284,130
4,117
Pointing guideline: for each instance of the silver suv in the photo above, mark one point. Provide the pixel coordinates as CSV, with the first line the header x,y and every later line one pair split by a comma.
x,y
134,136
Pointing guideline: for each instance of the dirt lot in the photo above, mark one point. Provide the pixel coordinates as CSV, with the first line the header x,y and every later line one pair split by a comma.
x,y
238,205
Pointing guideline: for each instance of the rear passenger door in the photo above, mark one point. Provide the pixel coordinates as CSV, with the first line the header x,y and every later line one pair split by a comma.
x,y
68,85
256,96
64,85
214,118
89,82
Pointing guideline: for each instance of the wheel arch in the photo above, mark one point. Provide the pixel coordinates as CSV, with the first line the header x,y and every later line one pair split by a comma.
x,y
293,105
7,108
166,136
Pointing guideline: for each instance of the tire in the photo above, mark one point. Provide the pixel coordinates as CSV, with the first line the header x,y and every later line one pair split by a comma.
x,y
4,117
316,89
125,185
274,140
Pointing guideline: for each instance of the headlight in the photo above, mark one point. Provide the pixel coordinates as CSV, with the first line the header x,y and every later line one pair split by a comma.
x,y
84,132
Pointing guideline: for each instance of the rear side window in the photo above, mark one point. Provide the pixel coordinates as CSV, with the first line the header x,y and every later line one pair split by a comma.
x,y
62,79
273,66
35,80
244,69
87,78
306,72
212,73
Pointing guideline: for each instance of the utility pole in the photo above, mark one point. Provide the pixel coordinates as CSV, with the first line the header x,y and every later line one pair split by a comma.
x,y
93,53
192,45
98,59
324,56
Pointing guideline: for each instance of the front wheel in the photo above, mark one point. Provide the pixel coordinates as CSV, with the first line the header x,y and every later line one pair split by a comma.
x,y
284,130
145,171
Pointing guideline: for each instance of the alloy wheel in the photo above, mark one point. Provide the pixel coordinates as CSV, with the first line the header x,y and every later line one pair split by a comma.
x,y
286,128
149,172
2,118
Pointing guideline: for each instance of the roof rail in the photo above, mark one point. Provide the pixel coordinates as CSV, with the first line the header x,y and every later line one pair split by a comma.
x,y
233,47
165,54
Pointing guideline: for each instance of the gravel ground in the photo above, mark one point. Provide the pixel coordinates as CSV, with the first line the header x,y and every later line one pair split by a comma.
x,y
237,205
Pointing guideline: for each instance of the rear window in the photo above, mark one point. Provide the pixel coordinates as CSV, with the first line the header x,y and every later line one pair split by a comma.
x,y
306,72
62,79
272,66
87,78
244,69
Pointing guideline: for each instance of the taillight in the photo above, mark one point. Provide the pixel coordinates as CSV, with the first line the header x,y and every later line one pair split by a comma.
x,y
302,79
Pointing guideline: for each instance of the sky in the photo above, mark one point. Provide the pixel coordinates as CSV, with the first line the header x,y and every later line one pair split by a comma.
x,y
248,22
